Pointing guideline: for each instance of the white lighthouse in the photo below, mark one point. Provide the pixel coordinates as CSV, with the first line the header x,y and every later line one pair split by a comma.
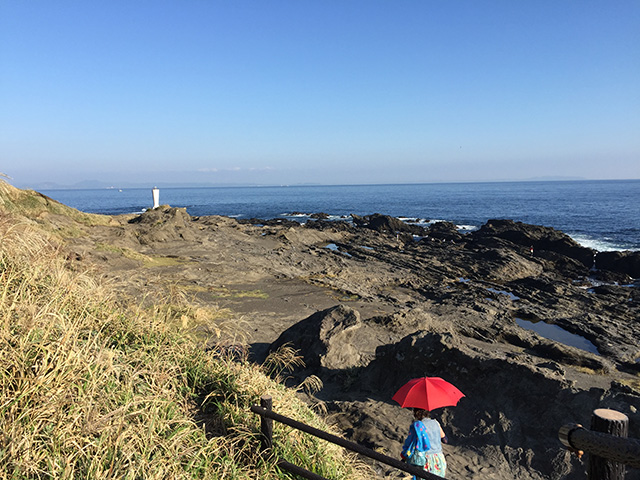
x,y
156,197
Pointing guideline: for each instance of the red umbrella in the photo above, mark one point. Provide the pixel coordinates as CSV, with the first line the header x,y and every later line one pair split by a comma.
x,y
427,393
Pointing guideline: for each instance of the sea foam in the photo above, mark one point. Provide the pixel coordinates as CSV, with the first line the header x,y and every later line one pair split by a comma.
x,y
600,245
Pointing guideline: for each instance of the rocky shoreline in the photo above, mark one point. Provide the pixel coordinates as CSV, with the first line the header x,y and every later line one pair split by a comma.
x,y
375,301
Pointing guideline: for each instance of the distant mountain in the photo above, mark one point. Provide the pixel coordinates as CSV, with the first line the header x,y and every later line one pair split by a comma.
x,y
98,184
553,178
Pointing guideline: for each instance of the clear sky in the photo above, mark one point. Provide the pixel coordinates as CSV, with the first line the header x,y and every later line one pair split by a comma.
x,y
324,91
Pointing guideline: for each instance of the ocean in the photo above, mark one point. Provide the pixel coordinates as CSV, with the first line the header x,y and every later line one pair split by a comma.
x,y
603,214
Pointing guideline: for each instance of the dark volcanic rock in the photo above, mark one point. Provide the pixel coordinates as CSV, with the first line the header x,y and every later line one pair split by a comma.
x,y
624,294
165,215
325,339
619,262
507,389
272,222
338,339
455,309
336,226
444,231
505,398
608,276
504,265
164,224
539,237
566,266
386,224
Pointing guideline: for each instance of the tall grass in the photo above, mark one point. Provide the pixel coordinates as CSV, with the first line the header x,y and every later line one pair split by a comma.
x,y
37,206
95,387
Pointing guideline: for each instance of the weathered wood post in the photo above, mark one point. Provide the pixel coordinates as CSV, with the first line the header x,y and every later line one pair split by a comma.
x,y
266,424
614,423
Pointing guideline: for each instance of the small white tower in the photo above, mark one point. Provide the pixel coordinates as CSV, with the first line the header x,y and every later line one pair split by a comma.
x,y
156,197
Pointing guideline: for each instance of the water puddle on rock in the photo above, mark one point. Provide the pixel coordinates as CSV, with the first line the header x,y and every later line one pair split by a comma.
x,y
335,248
504,292
559,334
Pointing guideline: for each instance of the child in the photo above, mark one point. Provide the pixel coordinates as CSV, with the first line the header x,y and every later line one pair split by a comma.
x,y
425,436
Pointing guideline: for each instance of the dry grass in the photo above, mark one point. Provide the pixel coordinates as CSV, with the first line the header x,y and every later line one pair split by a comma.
x,y
589,371
633,383
147,261
36,205
225,292
95,387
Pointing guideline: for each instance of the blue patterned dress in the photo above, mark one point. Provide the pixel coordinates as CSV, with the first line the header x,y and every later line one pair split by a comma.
x,y
424,435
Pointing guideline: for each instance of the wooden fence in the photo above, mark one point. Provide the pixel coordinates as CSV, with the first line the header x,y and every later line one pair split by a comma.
x,y
606,443
609,449
266,443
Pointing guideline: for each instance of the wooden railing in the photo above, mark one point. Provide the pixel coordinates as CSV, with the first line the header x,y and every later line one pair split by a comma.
x,y
606,443
266,443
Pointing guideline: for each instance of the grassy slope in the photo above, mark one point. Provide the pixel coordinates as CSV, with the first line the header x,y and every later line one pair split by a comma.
x,y
95,387
34,204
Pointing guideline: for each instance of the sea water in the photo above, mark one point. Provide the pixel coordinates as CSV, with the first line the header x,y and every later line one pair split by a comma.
x,y
604,215
559,334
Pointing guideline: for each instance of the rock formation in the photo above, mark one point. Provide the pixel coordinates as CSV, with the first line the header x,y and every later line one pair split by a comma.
x,y
390,301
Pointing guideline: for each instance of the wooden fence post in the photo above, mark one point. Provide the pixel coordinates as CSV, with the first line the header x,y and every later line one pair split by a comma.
x,y
266,424
613,423
266,413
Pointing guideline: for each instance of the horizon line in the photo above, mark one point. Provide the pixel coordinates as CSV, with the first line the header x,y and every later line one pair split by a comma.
x,y
138,185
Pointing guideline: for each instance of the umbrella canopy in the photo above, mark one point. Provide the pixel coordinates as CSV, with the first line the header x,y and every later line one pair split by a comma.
x,y
427,393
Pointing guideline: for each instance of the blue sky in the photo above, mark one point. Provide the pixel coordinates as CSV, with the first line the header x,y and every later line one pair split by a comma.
x,y
331,91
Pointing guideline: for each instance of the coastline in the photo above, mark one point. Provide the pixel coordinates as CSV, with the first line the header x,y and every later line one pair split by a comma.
x,y
445,305
442,295
598,214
